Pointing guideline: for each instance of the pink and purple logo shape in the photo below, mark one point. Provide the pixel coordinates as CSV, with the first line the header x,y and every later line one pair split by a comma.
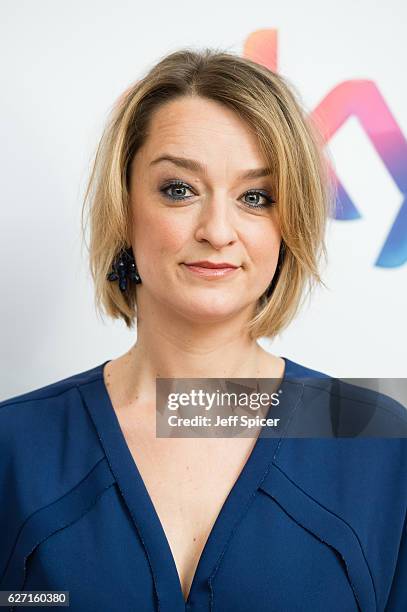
x,y
362,99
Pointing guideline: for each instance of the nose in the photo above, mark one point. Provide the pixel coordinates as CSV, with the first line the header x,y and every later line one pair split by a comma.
x,y
216,222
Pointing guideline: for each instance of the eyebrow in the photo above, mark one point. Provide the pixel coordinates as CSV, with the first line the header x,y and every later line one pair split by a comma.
x,y
196,166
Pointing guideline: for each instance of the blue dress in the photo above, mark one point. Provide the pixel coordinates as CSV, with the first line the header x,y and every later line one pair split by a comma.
x,y
312,524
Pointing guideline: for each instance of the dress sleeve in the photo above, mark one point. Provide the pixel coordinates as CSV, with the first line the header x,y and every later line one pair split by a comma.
x,y
397,601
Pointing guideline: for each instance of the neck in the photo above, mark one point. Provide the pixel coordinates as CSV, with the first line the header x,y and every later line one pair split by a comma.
x,y
170,346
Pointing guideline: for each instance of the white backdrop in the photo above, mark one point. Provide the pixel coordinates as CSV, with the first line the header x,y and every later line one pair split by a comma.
x,y
63,66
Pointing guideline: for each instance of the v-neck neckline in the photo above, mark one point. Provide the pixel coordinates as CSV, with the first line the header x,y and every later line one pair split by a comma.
x,y
167,583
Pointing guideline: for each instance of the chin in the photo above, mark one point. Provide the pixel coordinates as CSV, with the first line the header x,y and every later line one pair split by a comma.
x,y
208,317
210,309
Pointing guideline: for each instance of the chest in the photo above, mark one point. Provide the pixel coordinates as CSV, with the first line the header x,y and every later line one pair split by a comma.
x,y
188,481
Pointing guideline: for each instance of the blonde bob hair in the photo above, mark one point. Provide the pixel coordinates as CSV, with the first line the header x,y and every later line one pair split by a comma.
x,y
292,147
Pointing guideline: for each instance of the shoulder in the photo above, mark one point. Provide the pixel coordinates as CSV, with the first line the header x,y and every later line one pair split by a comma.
x,y
294,369
39,426
344,461
52,390
41,408
47,440
48,412
354,409
346,447
52,463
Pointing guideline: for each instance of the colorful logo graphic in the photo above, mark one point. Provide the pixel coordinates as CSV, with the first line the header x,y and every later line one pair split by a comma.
x,y
361,99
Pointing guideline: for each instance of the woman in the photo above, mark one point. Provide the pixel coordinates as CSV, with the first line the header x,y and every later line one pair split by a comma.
x,y
208,200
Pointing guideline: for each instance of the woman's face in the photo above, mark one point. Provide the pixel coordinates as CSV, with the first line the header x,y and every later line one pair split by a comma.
x,y
196,206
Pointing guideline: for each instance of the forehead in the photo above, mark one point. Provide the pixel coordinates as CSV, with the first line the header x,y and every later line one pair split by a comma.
x,y
199,123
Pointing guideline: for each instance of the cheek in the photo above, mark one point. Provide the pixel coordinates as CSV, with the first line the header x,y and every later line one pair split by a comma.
x,y
263,248
158,235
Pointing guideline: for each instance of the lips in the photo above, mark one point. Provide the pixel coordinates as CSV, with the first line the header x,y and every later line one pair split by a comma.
x,y
210,270
210,264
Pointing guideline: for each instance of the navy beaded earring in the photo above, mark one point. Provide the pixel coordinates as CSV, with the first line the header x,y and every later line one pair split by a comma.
x,y
277,272
124,268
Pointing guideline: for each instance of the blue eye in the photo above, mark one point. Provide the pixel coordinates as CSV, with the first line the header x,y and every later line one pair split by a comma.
x,y
180,186
262,194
